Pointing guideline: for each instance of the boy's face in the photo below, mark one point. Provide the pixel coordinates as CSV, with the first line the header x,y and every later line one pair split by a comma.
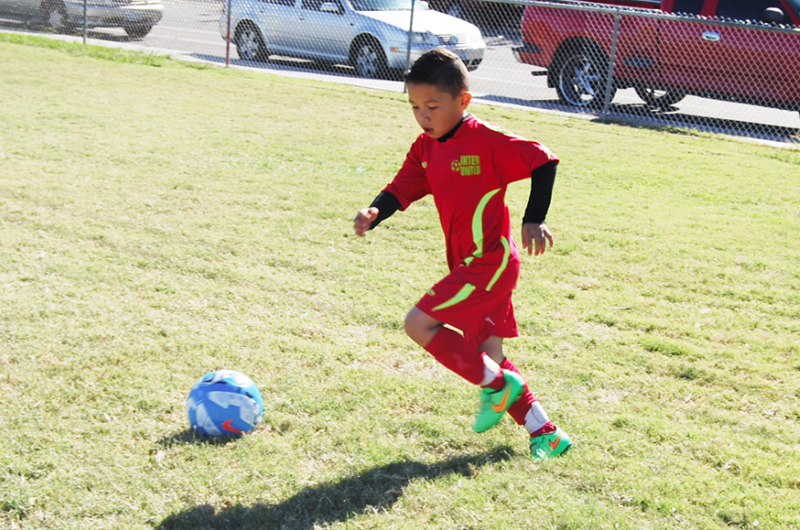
x,y
436,112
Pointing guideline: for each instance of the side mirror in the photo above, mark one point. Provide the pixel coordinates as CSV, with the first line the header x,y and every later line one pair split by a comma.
x,y
773,15
330,7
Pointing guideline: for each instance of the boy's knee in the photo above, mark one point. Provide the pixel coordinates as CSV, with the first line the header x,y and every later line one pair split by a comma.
x,y
493,347
420,327
412,323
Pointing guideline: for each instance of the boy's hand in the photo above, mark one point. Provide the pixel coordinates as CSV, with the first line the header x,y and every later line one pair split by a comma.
x,y
534,236
364,220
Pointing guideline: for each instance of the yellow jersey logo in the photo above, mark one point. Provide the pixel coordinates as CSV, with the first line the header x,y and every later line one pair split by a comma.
x,y
467,165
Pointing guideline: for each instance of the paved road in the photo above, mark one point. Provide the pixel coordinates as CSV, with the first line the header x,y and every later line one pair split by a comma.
x,y
191,27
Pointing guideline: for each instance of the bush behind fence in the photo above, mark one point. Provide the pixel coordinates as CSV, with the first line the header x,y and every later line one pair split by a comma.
x,y
735,70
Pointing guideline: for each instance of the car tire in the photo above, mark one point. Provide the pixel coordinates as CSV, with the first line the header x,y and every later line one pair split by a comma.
x,y
137,32
55,15
368,59
250,44
656,98
580,79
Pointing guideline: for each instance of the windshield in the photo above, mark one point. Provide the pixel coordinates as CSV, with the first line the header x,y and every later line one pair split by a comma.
x,y
384,5
795,5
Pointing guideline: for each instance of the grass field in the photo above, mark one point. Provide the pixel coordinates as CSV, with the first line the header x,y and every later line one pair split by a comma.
x,y
160,220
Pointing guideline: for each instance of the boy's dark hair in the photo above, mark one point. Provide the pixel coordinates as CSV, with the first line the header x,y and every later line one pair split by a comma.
x,y
441,68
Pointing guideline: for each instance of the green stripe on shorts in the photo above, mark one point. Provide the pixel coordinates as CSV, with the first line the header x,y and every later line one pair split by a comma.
x,y
462,295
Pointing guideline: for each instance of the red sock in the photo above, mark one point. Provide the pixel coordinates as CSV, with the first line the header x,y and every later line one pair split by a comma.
x,y
498,383
547,429
523,404
455,353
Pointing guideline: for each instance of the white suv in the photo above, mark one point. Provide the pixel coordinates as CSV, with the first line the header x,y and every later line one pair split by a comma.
x,y
370,35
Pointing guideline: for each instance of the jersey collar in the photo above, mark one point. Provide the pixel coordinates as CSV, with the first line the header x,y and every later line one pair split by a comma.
x,y
452,131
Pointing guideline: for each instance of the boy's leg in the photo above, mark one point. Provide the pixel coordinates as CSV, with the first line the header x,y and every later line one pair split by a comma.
x,y
547,440
471,310
500,387
526,410
503,393
451,349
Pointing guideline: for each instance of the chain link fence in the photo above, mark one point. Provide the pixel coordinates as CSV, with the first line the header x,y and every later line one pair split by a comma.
x,y
730,66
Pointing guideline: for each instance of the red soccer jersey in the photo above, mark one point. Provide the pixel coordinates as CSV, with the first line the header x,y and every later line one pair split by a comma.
x,y
468,175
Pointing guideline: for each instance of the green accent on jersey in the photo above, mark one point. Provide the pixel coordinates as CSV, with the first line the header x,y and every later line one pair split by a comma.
x,y
495,128
503,265
462,295
477,226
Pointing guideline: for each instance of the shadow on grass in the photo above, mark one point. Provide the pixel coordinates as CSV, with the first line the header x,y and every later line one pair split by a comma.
x,y
322,505
290,64
283,64
191,437
108,34
640,115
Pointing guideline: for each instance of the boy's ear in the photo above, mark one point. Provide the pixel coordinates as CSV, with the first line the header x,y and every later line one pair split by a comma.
x,y
465,98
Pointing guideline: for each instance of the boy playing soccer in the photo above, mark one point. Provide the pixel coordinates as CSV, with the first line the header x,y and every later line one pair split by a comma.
x,y
467,165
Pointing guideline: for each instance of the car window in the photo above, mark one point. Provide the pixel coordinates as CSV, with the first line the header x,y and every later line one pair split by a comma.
x,y
314,5
691,7
381,5
280,2
745,9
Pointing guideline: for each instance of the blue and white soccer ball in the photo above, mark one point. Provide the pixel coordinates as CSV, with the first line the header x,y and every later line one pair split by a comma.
x,y
224,403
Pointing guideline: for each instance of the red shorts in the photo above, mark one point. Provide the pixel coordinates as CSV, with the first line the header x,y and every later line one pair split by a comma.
x,y
477,313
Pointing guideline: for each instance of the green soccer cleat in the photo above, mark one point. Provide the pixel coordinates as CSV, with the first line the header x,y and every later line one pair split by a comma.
x,y
549,445
494,403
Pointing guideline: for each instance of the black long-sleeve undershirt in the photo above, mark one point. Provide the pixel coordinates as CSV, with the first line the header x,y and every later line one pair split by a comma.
x,y
387,204
542,179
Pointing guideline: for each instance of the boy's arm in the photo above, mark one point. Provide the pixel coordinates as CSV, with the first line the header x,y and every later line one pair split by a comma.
x,y
535,232
384,205
409,185
387,204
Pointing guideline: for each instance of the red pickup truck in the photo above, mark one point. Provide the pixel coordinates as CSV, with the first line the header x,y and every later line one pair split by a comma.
x,y
737,50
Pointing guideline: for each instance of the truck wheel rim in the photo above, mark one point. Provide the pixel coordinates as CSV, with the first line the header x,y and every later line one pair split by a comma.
x,y
579,80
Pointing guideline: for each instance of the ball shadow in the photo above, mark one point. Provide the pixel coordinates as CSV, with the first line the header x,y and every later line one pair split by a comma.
x,y
190,437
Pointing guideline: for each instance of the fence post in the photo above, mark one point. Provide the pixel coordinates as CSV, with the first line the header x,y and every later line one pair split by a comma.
x,y
410,36
85,24
228,37
612,60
